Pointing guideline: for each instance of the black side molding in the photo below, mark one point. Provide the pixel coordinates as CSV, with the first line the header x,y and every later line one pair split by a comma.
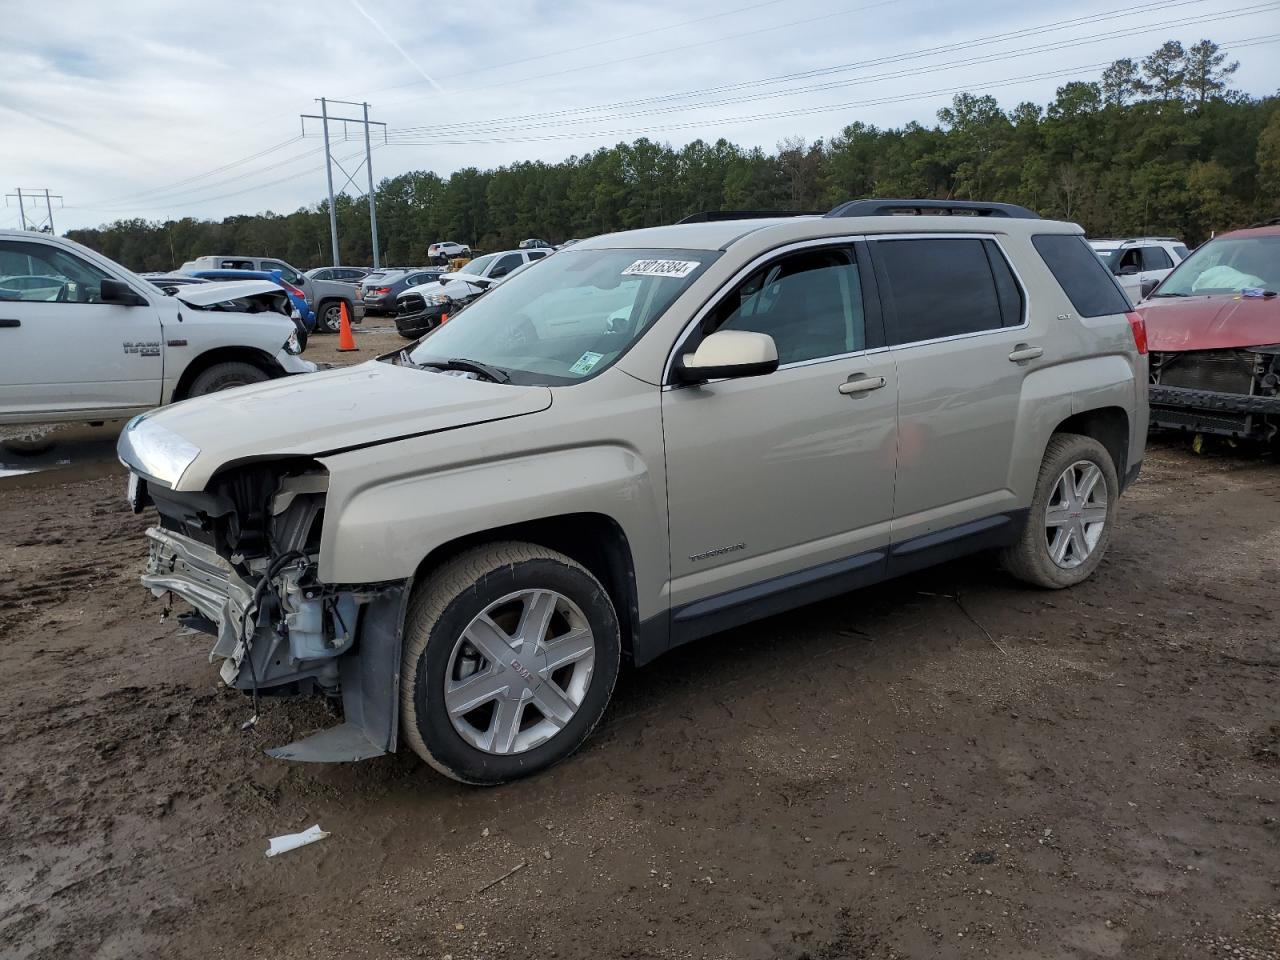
x,y
737,607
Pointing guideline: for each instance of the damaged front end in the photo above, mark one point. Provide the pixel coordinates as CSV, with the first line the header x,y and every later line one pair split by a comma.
x,y
1233,393
244,553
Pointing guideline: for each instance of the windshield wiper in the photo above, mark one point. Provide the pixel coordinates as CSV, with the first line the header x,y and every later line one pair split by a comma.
x,y
1171,294
496,374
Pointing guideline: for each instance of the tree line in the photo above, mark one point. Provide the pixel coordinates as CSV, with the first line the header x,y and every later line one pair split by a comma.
x,y
1162,145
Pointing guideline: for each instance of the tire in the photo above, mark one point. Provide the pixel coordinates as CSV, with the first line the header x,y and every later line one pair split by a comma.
x,y
224,376
1032,559
329,316
442,609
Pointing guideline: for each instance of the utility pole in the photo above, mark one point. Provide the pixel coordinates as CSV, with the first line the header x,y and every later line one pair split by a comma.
x,y
368,168
44,224
330,161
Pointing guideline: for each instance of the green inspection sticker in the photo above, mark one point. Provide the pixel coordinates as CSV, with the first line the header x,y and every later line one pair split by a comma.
x,y
585,363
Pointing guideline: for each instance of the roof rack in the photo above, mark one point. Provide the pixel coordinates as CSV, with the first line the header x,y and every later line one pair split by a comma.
x,y
712,216
888,208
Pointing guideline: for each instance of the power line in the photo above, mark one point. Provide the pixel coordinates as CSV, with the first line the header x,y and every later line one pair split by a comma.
x,y
495,126
586,46
166,188
655,53
461,126
805,111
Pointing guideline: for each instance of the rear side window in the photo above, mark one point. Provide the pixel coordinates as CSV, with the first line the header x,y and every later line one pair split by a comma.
x,y
1080,274
945,287
1154,258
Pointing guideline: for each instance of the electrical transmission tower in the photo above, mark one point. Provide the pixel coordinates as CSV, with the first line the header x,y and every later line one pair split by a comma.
x,y
331,161
41,224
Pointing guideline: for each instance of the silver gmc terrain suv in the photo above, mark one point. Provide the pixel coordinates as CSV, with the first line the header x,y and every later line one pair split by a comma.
x,y
653,436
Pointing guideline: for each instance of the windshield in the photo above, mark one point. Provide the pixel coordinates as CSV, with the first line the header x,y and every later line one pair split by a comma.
x,y
570,318
478,265
1226,265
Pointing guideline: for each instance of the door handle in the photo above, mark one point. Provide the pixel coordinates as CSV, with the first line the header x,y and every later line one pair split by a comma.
x,y
1023,352
9,322
860,383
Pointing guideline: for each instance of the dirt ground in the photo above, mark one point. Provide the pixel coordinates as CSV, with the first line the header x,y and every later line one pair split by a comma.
x,y
948,766
374,336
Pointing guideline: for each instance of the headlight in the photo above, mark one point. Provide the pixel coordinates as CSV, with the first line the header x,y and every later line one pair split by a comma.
x,y
435,299
156,451
292,345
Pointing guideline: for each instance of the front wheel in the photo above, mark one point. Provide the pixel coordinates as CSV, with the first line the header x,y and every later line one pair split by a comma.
x,y
511,654
224,376
1069,525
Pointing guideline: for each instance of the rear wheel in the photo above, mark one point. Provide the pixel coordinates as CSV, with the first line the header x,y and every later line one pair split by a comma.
x,y
224,376
511,653
329,316
1069,525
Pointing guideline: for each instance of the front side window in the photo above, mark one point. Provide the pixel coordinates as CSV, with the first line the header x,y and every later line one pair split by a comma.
x,y
568,320
506,265
810,303
1226,265
287,272
39,272
944,287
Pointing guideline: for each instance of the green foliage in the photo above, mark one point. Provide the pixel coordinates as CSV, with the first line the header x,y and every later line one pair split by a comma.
x,y
1160,147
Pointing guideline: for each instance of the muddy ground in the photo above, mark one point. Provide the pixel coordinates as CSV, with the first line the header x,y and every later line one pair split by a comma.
x,y
951,765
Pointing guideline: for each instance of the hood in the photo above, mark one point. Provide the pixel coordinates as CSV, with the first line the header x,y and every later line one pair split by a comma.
x,y
321,413
208,294
1216,322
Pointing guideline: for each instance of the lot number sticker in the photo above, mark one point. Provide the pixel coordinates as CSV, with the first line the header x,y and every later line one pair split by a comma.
x,y
661,268
585,363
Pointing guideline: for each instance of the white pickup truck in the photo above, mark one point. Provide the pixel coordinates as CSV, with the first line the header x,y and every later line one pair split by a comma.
x,y
82,339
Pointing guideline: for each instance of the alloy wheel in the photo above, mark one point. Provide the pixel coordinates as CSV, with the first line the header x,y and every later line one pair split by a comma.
x,y
1076,514
519,672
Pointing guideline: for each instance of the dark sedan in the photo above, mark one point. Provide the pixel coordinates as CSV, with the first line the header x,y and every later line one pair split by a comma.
x,y
379,290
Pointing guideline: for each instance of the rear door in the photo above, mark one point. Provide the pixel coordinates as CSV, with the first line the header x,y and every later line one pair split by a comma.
x,y
62,350
956,321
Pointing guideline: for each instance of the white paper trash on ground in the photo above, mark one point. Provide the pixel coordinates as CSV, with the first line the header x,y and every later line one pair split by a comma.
x,y
291,841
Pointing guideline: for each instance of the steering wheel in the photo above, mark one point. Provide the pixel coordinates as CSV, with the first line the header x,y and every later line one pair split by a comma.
x,y
520,333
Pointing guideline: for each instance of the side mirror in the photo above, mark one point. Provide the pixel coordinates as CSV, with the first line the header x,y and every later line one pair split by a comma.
x,y
729,353
119,292
499,272
1147,287
1128,270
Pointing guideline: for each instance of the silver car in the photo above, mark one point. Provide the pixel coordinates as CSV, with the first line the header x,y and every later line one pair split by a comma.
x,y
654,436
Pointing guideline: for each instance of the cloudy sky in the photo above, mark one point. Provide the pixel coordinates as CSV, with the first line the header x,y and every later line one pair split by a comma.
x,y
158,109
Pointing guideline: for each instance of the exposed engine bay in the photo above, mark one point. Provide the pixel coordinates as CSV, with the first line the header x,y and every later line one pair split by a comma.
x,y
1233,393
245,554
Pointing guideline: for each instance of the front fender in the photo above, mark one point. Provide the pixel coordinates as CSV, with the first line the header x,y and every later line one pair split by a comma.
x,y
382,529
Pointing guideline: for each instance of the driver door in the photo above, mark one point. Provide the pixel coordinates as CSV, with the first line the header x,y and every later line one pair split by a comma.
x,y
63,351
780,487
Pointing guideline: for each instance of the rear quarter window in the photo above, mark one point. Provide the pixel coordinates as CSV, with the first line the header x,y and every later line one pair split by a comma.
x,y
1081,274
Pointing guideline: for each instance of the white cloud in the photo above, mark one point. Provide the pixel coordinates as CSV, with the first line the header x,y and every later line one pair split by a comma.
x,y
120,104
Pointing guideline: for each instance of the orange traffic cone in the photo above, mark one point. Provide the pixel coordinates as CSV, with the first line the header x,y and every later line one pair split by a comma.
x,y
346,342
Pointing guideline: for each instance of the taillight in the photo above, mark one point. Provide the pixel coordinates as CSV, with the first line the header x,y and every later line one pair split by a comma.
x,y
295,291
381,291
1139,329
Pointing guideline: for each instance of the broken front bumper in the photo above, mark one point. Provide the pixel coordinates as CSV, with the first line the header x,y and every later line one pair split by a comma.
x,y
1210,411
293,637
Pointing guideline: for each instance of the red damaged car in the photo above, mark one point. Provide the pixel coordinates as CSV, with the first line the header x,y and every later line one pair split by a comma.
x,y
1213,329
